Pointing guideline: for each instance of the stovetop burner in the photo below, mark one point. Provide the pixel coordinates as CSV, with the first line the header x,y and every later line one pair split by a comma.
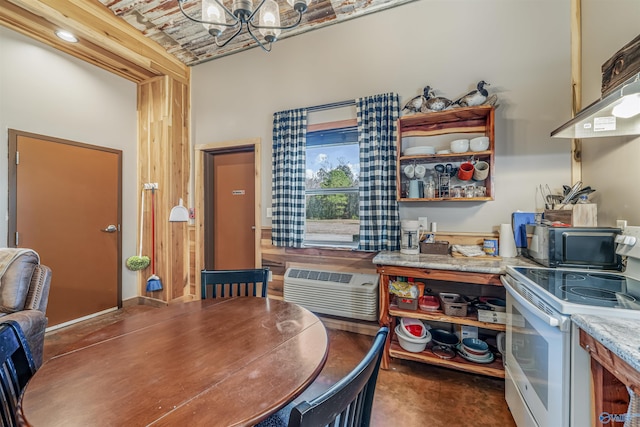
x,y
601,289
588,294
572,277
538,273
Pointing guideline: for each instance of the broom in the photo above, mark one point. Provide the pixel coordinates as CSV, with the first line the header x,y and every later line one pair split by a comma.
x,y
153,282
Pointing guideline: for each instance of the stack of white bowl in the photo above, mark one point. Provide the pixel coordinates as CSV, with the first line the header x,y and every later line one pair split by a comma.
x,y
407,340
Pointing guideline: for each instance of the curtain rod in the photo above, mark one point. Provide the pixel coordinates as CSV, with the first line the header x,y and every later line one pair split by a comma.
x,y
332,105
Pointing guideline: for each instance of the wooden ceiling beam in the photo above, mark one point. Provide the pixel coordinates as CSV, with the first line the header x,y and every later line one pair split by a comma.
x,y
105,40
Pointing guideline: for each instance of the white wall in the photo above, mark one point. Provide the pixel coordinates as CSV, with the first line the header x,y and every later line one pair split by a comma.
x,y
47,92
610,165
521,47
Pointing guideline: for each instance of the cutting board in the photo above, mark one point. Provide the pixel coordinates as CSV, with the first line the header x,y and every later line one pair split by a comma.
x,y
484,257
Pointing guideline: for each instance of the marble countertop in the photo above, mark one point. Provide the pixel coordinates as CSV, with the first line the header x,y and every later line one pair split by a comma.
x,y
618,334
448,262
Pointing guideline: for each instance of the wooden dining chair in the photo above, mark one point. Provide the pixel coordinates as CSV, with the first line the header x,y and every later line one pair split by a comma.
x,y
17,369
235,282
347,403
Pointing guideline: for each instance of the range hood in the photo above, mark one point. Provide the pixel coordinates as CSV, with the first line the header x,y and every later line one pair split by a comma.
x,y
616,114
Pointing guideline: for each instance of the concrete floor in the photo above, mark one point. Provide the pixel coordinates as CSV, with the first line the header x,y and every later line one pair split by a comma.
x,y
408,394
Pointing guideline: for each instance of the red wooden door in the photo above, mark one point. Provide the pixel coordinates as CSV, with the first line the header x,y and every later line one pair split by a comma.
x,y
234,210
67,208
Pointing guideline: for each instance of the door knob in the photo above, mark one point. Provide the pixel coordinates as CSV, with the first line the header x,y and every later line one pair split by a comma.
x,y
110,229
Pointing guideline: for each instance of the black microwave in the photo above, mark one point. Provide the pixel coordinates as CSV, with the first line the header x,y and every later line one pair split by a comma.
x,y
574,247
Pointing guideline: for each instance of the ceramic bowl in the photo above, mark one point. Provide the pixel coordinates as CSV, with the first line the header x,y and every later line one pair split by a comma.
x,y
475,346
486,358
480,143
460,146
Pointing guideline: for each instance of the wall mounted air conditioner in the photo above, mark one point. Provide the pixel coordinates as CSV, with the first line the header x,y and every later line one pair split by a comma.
x,y
351,295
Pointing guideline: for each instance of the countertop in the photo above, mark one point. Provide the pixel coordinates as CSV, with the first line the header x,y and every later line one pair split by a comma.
x,y
618,334
448,262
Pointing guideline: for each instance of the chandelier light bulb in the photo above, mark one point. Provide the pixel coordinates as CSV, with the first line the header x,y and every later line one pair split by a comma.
x,y
213,12
242,17
270,17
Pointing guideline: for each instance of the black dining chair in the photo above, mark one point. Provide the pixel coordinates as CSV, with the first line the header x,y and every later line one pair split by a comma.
x,y
17,369
347,403
235,282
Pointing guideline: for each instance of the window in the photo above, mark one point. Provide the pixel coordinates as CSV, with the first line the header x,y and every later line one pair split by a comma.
x,y
331,188
376,226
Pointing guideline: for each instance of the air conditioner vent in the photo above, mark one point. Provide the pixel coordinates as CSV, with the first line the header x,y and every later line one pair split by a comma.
x,y
324,276
351,295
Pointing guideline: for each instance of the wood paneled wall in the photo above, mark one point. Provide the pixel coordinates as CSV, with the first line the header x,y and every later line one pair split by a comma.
x,y
163,158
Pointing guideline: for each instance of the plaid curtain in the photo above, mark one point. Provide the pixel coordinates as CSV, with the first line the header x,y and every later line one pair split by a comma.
x,y
377,130
288,179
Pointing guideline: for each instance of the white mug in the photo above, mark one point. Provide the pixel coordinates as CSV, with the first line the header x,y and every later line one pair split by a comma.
x,y
409,171
481,171
420,171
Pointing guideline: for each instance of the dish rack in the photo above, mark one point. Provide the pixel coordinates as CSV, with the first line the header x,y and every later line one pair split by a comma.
x,y
454,304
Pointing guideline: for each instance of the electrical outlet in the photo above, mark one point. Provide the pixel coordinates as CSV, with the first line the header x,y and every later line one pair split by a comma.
x,y
192,213
621,223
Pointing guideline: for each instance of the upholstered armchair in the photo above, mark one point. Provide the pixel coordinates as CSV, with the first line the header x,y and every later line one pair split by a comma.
x,y
24,293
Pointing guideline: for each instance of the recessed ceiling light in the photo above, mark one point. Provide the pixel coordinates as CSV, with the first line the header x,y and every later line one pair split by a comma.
x,y
66,36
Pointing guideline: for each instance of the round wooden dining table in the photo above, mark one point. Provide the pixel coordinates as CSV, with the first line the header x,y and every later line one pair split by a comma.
x,y
218,362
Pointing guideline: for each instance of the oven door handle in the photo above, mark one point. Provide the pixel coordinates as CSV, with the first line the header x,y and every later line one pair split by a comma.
x,y
550,320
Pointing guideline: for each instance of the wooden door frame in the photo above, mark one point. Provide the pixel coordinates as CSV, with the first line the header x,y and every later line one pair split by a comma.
x,y
202,150
13,135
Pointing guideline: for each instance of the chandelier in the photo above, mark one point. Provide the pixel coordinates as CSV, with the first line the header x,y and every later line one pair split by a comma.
x,y
243,15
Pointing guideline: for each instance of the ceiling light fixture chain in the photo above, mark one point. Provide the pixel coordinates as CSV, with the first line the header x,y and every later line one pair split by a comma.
x,y
214,19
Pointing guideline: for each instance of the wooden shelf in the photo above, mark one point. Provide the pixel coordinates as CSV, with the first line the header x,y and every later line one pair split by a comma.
x,y
467,120
493,369
449,199
439,316
445,275
452,157
390,313
456,120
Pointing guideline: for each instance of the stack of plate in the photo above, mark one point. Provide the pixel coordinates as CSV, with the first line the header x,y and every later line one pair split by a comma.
x,y
475,350
420,150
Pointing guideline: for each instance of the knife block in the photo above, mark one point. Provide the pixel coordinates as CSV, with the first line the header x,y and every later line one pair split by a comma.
x,y
578,215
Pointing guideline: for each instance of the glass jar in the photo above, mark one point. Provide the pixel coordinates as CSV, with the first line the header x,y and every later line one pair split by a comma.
x,y
430,189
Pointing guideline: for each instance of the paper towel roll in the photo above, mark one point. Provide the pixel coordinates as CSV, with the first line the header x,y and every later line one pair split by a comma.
x,y
507,243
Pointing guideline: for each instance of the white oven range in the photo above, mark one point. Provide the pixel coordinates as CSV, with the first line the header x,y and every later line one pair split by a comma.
x,y
547,373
